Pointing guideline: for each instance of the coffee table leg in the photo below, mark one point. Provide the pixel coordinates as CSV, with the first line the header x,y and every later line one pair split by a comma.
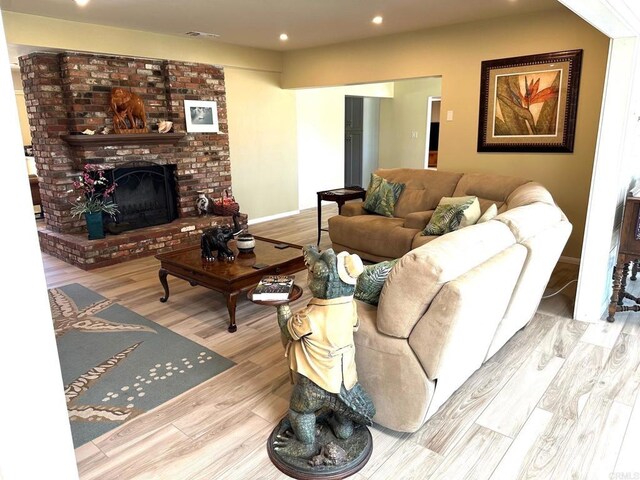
x,y
163,280
232,299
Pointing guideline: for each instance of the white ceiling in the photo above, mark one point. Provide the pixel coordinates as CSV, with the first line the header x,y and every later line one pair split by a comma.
x,y
258,23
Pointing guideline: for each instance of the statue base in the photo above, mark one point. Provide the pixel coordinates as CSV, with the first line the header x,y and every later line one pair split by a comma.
x,y
338,459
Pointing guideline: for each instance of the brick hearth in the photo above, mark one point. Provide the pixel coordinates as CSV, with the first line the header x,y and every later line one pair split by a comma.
x,y
69,92
89,254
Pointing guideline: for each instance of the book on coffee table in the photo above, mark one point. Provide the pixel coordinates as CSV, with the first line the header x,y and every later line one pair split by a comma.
x,y
274,287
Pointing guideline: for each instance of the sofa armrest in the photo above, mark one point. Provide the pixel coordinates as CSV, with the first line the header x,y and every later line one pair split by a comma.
x,y
418,220
353,209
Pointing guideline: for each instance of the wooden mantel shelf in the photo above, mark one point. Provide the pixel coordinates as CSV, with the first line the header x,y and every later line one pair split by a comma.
x,y
100,140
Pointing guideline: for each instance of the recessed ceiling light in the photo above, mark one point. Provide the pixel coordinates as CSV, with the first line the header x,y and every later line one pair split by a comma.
x,y
81,3
284,37
377,20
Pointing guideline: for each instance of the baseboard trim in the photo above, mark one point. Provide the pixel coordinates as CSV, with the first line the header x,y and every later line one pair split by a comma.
x,y
571,260
273,217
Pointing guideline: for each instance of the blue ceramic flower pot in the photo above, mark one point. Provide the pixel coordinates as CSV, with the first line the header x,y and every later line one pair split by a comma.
x,y
94,225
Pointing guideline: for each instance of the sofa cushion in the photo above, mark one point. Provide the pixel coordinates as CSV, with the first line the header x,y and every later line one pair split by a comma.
x,y
386,366
418,220
434,264
423,190
382,196
470,215
529,220
371,281
527,194
351,209
489,188
447,218
420,239
464,318
491,212
380,236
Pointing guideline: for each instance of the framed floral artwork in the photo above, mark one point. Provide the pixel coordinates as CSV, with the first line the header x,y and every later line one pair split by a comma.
x,y
529,104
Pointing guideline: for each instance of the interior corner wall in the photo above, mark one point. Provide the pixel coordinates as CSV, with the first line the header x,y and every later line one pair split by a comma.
x,y
403,122
455,53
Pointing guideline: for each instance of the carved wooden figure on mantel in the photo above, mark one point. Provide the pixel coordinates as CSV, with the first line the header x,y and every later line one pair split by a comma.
x,y
126,105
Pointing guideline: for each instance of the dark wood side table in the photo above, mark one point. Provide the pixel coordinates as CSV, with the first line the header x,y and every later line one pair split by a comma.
x,y
628,253
340,196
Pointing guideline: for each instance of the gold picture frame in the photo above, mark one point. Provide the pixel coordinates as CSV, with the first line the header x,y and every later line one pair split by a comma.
x,y
529,103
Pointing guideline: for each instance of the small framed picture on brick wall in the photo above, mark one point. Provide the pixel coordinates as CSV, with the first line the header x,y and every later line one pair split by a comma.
x,y
201,116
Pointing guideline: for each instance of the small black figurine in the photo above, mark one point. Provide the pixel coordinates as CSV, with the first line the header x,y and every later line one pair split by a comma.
x,y
215,239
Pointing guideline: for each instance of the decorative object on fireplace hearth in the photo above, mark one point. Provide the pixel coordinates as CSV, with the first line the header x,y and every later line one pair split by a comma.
x,y
202,203
94,199
95,226
127,106
225,205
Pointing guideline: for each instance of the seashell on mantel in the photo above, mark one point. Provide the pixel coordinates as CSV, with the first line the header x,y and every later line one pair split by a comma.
x,y
164,126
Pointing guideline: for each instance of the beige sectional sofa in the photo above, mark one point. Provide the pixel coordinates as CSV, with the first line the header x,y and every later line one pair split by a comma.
x,y
451,301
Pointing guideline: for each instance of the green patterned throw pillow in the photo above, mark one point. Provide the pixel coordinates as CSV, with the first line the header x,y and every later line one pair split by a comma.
x,y
382,196
371,281
446,218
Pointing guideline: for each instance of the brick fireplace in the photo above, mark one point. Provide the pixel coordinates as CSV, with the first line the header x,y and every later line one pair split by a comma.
x,y
69,92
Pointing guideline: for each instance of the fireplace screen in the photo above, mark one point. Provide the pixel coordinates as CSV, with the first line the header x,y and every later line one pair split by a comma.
x,y
145,195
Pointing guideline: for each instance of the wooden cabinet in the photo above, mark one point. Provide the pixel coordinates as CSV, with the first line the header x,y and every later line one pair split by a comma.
x,y
628,255
35,194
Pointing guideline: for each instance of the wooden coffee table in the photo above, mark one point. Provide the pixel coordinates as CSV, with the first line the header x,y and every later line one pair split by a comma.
x,y
230,278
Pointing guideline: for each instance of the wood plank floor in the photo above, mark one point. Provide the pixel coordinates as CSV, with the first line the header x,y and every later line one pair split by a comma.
x,y
560,400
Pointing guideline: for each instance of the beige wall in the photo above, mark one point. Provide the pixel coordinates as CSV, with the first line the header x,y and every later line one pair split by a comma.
x,y
455,53
403,122
261,115
262,140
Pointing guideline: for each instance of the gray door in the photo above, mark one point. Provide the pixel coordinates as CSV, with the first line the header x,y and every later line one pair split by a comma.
x,y
353,110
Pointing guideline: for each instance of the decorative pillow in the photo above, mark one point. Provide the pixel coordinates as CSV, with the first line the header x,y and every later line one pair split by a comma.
x,y
471,214
382,196
491,212
446,218
371,281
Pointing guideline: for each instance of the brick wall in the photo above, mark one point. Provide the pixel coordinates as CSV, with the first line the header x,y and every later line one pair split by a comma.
x,y
69,92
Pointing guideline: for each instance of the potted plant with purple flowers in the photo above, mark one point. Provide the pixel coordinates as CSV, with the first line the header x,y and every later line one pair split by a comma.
x,y
94,199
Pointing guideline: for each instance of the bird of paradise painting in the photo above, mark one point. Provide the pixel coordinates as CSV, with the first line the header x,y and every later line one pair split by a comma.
x,y
529,103
523,107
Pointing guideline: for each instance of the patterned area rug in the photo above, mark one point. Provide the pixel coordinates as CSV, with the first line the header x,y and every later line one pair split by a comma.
x,y
116,364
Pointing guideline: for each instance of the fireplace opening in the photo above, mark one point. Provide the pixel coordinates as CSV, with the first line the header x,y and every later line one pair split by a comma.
x,y
145,195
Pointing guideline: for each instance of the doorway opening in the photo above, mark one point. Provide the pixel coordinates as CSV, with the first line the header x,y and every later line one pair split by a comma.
x,y
432,133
